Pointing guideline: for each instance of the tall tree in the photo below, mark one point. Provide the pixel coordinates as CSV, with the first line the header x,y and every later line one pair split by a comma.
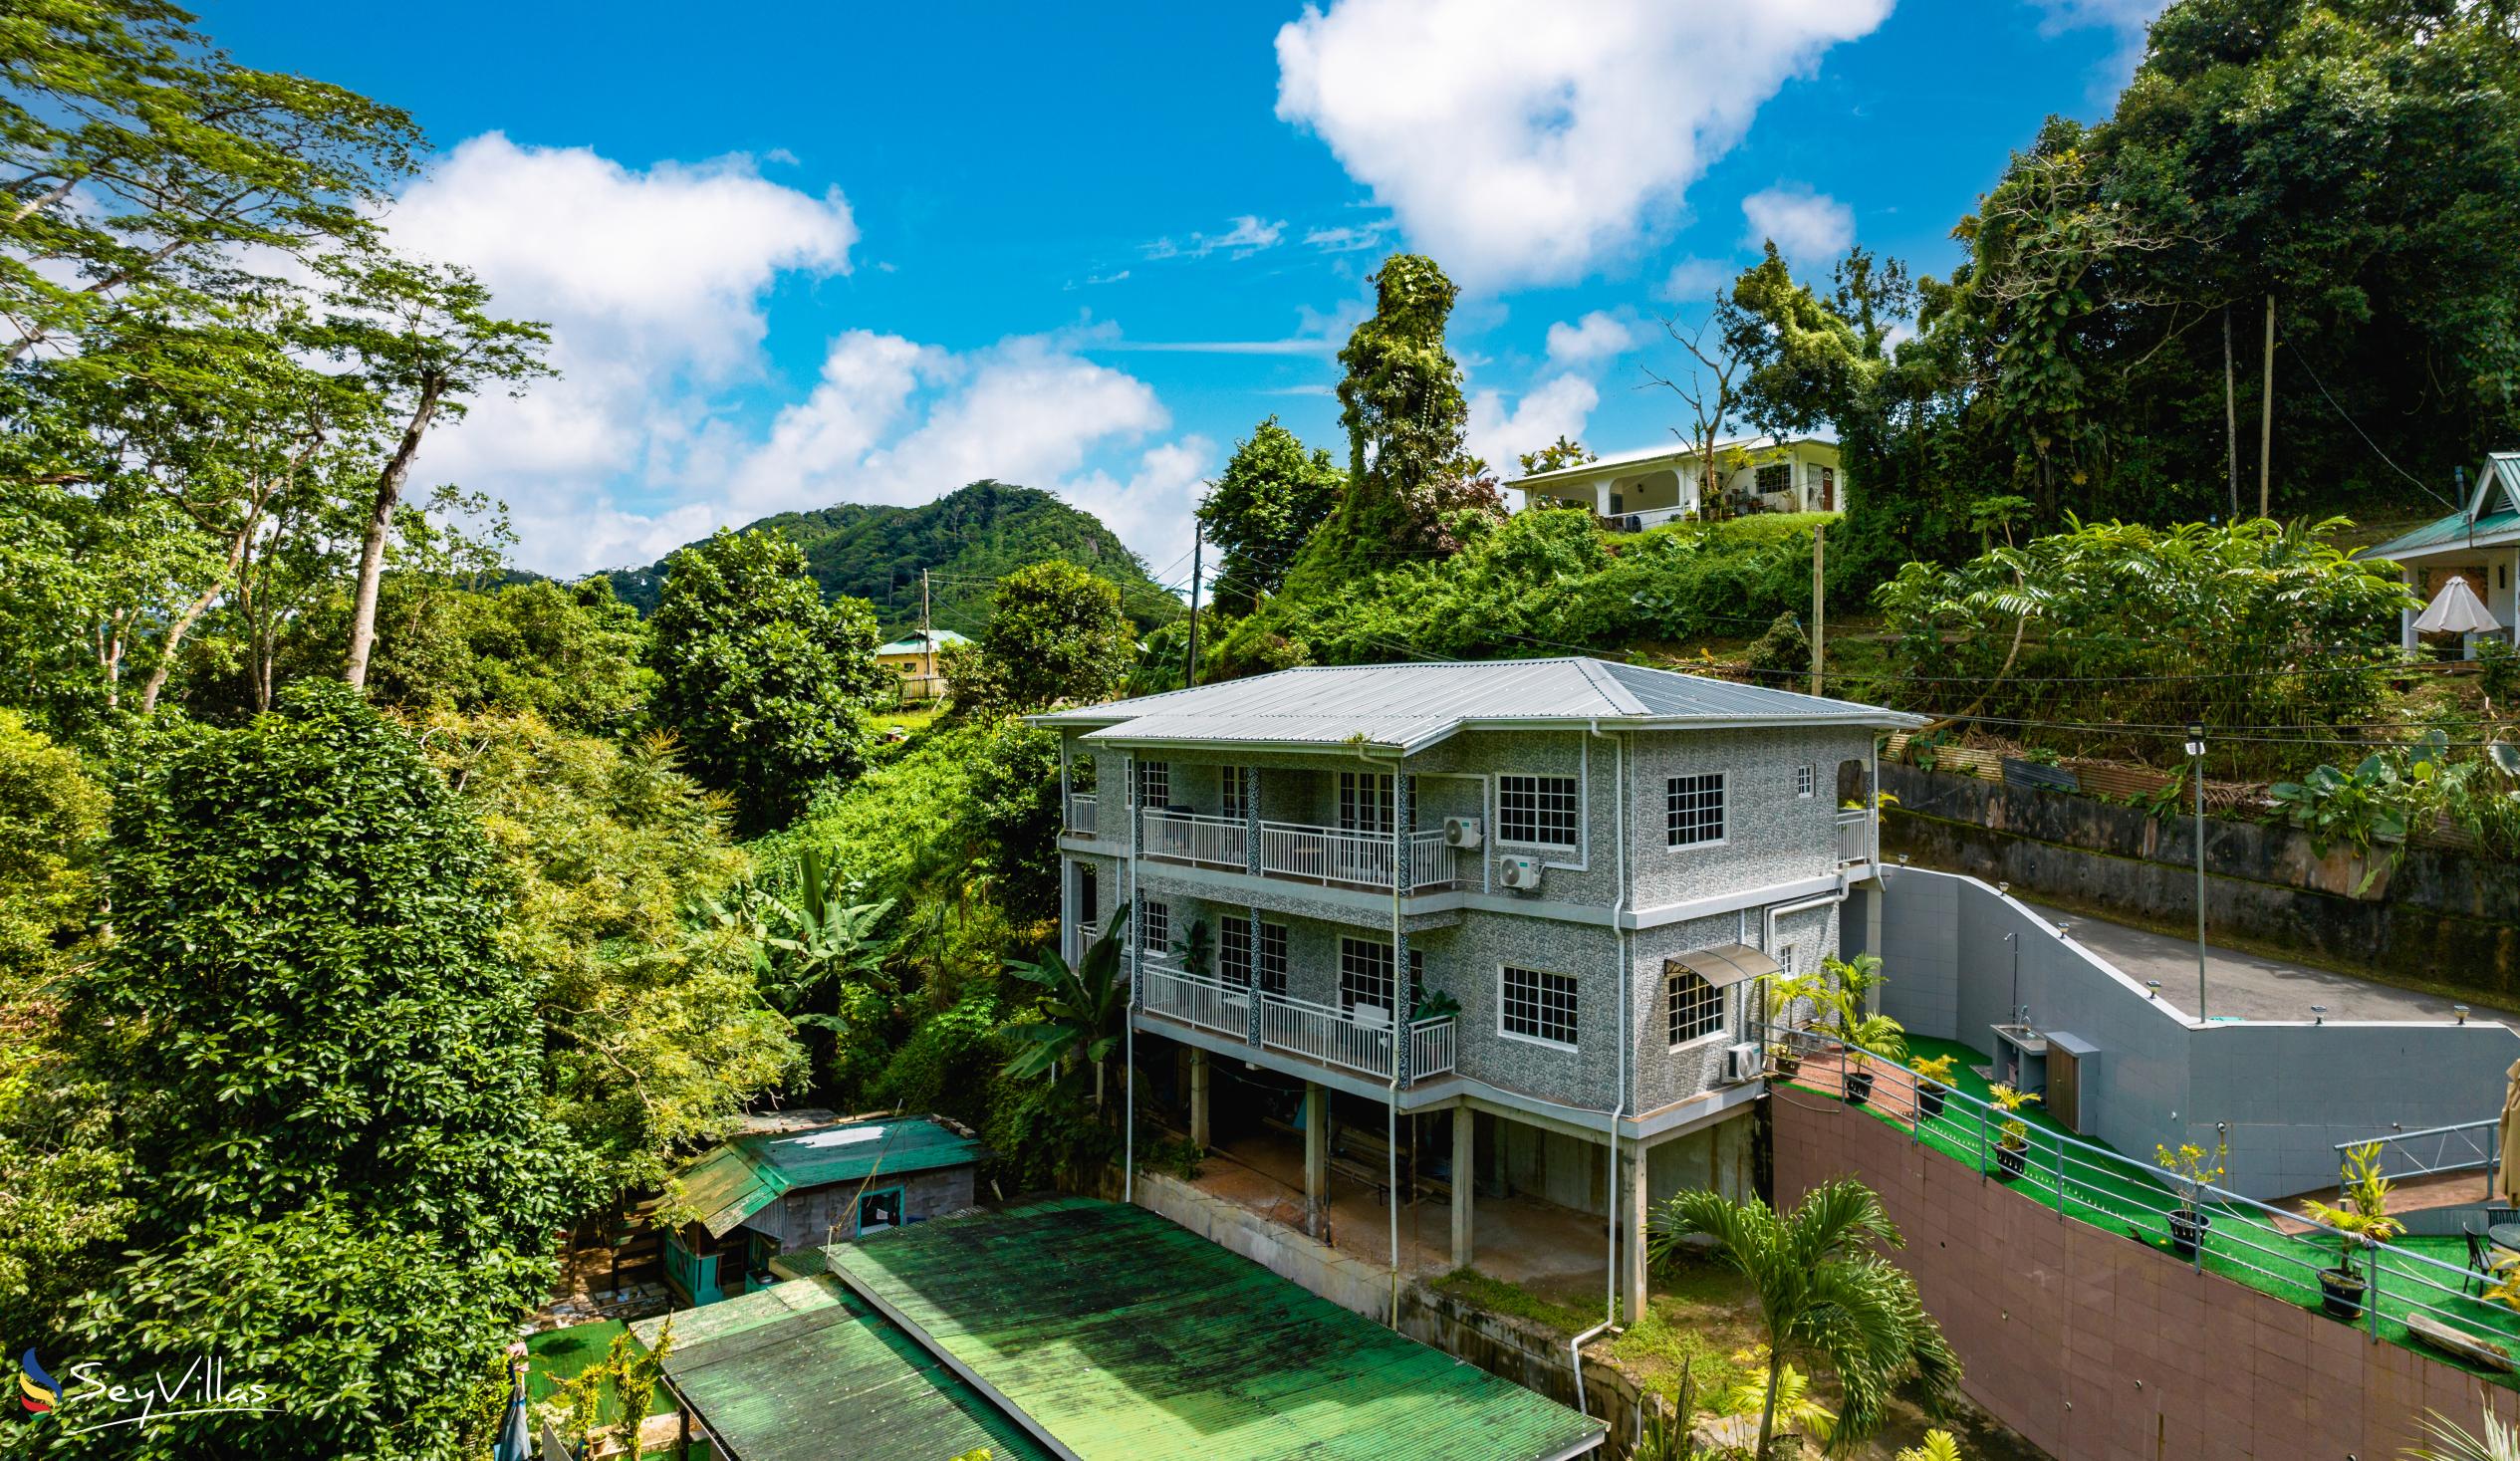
x,y
766,683
1057,633
422,337
1401,405
1272,494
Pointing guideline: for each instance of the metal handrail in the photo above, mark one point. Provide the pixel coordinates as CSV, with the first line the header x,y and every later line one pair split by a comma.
x,y
2438,1288
2481,1140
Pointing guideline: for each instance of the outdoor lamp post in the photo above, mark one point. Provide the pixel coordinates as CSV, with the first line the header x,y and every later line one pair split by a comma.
x,y
2197,775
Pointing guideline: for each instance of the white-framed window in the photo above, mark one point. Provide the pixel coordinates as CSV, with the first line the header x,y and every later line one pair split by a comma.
x,y
1273,958
1697,1007
1157,929
1365,803
1365,976
1536,811
1154,785
1536,1004
1229,798
1804,779
1233,953
1694,809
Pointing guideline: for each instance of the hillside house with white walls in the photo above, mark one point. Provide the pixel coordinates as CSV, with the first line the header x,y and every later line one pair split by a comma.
x,y
1633,491
1527,902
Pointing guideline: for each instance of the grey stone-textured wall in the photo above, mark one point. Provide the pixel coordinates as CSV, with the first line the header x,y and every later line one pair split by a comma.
x,y
1772,835
1665,1073
2288,1092
2456,914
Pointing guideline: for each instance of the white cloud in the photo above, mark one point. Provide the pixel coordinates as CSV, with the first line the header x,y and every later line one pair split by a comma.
x,y
1809,228
2129,19
655,283
1249,235
1347,238
1695,280
1557,407
1596,337
1524,144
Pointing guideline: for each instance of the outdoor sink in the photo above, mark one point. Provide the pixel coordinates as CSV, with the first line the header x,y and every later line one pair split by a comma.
x,y
2023,1039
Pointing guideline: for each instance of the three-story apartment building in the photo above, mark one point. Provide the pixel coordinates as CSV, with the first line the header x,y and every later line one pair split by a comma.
x,y
1535,896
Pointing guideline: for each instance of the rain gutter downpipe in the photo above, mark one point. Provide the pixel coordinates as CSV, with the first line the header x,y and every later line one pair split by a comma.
x,y
1619,1107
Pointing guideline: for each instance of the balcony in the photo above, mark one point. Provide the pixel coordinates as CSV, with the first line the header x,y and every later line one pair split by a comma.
x,y
1356,1043
1318,854
1638,522
1081,816
1186,836
1857,834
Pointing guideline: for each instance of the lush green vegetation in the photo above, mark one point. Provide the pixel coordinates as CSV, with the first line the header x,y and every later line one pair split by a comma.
x,y
968,540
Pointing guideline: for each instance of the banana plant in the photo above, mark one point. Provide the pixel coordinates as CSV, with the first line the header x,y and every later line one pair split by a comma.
x,y
1084,1008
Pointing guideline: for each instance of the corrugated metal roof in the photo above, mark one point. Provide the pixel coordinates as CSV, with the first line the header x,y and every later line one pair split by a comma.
x,y
1126,1337
1413,705
748,1173
1676,453
913,644
805,1371
2492,511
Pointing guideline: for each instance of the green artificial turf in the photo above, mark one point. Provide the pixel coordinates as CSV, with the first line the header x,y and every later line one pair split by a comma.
x,y
2131,1195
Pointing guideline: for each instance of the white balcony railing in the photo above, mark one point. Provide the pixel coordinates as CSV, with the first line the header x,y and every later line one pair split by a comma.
x,y
1198,999
1430,1044
1857,829
1637,522
1320,854
1080,814
1318,1032
1186,837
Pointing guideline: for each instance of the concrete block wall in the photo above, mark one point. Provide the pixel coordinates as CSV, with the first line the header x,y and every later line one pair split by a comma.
x,y
2287,1093
1771,834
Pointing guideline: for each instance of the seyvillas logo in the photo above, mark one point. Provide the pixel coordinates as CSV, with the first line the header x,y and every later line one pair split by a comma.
x,y
94,1401
37,1390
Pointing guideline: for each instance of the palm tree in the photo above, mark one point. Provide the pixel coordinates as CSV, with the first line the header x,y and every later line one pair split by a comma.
x,y
1826,1292
1084,1008
2452,1441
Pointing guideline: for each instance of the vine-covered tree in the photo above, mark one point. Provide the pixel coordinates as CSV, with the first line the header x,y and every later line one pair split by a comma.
x,y
1271,496
766,683
1401,405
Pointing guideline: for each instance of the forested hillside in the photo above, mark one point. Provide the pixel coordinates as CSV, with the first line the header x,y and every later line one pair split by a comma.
x,y
968,540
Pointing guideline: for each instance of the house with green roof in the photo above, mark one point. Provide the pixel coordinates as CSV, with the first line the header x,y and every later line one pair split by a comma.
x,y
2479,543
771,1192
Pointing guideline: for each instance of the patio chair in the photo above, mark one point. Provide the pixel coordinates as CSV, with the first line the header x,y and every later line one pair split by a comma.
x,y
2480,1261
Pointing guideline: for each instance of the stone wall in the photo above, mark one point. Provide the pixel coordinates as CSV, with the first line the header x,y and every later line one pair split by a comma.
x,y
2453,915
2098,1349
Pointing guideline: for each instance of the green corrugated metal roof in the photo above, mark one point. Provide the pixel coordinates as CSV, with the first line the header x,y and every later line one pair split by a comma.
x,y
806,1371
1128,1338
2448,532
748,1173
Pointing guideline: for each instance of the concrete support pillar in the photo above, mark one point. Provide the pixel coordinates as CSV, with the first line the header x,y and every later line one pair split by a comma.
x,y
1198,1098
1466,1179
2406,617
1316,1159
1632,1235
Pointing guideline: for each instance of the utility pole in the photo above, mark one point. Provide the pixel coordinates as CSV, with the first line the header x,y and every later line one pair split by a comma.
x,y
2266,413
2197,774
2231,412
1819,630
926,633
1191,671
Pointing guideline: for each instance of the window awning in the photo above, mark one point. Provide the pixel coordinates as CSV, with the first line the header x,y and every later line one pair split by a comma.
x,y
1724,965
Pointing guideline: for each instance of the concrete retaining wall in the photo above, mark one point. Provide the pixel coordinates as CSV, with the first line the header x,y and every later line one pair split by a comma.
x,y
2453,915
2288,1092
2096,1348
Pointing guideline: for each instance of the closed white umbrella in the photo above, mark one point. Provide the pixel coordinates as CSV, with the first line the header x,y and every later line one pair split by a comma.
x,y
2456,610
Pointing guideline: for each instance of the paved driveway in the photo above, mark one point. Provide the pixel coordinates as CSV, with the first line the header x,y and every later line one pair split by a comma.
x,y
2253,986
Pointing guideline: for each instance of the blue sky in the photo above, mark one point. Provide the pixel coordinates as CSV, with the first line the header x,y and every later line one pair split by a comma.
x,y
808,254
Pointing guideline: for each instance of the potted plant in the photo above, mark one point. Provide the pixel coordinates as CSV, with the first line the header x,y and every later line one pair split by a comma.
x,y
1784,992
2012,1138
1873,1035
2360,1218
2189,1163
1933,1083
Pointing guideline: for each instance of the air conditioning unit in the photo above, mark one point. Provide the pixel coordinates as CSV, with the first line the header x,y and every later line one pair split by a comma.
x,y
1520,873
1742,1064
1460,831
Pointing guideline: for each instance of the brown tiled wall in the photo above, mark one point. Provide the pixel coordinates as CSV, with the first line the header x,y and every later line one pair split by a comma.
x,y
2098,1349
